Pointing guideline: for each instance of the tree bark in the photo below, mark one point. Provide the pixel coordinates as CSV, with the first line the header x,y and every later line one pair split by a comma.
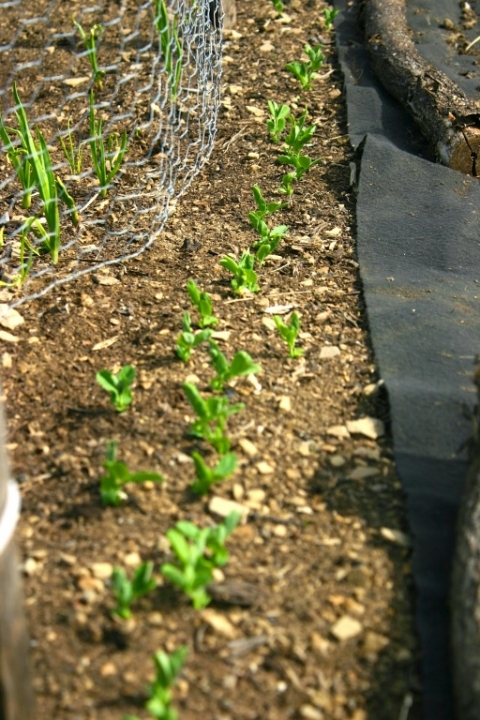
x,y
465,593
447,117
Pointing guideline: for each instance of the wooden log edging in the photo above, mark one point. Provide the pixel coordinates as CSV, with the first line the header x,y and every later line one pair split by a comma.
x,y
465,591
446,116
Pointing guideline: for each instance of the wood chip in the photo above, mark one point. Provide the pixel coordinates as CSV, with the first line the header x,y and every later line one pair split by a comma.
x,y
329,351
264,468
257,112
8,337
368,426
248,447
222,507
105,343
346,628
395,536
285,404
361,472
9,317
339,431
219,623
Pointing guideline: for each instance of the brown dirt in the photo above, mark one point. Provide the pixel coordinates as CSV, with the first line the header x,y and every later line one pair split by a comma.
x,y
312,547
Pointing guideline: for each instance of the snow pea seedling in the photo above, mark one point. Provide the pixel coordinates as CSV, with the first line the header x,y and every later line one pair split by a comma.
x,y
167,668
330,15
198,552
117,475
276,121
119,386
206,476
304,71
242,364
244,276
201,300
188,340
289,333
212,415
127,591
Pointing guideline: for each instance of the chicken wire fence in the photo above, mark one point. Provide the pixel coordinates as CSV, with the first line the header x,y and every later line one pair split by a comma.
x,y
108,111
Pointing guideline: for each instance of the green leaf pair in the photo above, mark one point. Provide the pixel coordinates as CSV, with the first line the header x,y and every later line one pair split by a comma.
x,y
277,120
167,669
289,333
244,276
117,475
242,364
188,340
201,300
106,160
119,386
206,477
198,552
304,71
212,415
128,591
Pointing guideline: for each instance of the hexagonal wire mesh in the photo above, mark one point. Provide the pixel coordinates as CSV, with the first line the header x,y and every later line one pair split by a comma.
x,y
78,84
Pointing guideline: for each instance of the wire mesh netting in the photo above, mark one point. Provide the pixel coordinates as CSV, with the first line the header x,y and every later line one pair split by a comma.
x,y
108,111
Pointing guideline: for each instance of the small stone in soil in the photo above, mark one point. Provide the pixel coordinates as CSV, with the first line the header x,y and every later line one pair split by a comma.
x,y
346,628
368,426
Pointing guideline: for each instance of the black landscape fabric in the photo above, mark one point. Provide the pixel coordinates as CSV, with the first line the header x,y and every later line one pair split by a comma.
x,y
418,234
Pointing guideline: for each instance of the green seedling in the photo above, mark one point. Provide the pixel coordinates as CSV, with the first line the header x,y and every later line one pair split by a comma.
x,y
287,183
38,157
304,71
117,475
278,5
31,225
170,46
330,14
289,333
268,246
212,415
206,477
299,134
127,591
106,160
167,668
66,198
73,154
277,120
17,156
244,276
301,163
272,236
188,340
242,364
198,552
90,42
119,386
201,300
263,210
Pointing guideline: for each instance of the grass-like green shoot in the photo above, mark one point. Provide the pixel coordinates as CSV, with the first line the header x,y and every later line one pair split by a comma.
x,y
128,591
188,340
119,386
244,276
242,364
167,668
277,120
91,44
17,156
278,5
212,415
117,475
289,333
305,71
203,303
106,160
170,46
27,250
73,154
198,551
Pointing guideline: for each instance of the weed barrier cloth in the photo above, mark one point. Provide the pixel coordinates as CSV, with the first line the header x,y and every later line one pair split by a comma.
x,y
418,234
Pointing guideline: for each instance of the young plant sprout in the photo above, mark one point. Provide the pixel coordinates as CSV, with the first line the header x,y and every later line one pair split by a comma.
x,y
167,668
198,552
170,46
287,183
264,209
73,154
278,5
34,226
276,121
301,163
242,364
119,386
212,415
304,71
330,14
106,160
299,134
244,276
206,477
117,475
289,333
202,302
268,245
18,157
90,42
127,591
188,340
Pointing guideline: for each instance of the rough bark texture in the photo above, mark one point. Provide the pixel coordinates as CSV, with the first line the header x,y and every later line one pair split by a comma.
x,y
446,116
465,597
16,696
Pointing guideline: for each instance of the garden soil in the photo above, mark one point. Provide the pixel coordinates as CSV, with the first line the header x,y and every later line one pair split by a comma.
x,y
312,617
